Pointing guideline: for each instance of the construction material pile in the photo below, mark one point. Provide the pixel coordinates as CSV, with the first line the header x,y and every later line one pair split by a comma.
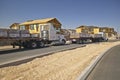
x,y
12,33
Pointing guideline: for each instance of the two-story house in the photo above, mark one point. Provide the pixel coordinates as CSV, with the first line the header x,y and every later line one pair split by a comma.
x,y
34,26
82,29
109,31
87,29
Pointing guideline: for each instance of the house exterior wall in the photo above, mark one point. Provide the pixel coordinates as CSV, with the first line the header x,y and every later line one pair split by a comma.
x,y
78,30
96,30
33,28
109,31
82,29
86,29
36,28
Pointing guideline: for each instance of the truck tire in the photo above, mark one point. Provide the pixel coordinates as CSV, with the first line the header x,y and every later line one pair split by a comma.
x,y
26,44
63,42
79,41
33,45
42,44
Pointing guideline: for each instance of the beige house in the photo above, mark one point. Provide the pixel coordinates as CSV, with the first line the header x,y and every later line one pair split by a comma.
x,y
34,25
87,29
110,32
82,29
14,26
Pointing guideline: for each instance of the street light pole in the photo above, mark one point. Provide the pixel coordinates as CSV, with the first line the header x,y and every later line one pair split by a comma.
x,y
118,32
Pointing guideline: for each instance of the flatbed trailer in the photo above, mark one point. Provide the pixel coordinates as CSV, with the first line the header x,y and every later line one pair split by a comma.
x,y
16,37
23,38
83,37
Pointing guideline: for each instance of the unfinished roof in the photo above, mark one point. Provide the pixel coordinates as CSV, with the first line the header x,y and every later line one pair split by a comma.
x,y
81,26
41,21
87,26
14,25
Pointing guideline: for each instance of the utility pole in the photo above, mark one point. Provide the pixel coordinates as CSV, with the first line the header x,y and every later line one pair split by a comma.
x,y
118,32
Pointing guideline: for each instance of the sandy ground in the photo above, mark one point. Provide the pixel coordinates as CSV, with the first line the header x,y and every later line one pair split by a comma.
x,y
66,65
9,47
5,47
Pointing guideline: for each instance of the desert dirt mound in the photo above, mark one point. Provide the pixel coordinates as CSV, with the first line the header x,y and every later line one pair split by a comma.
x,y
66,65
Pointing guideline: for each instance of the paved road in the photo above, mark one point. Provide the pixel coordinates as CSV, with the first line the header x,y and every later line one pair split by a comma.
x,y
108,68
17,55
114,40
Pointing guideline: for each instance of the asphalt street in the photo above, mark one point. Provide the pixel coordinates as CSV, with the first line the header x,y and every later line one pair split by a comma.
x,y
15,55
108,68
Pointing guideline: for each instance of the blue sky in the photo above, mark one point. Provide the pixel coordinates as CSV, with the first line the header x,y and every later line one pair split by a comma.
x,y
71,13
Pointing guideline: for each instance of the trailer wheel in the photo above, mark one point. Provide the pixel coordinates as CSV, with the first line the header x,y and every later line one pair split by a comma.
x,y
63,42
78,41
33,45
42,44
26,44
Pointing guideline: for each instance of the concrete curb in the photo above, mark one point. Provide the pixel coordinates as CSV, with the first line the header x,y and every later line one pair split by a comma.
x,y
36,56
92,65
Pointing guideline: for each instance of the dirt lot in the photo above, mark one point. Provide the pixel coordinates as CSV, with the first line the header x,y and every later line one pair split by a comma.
x,y
66,65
